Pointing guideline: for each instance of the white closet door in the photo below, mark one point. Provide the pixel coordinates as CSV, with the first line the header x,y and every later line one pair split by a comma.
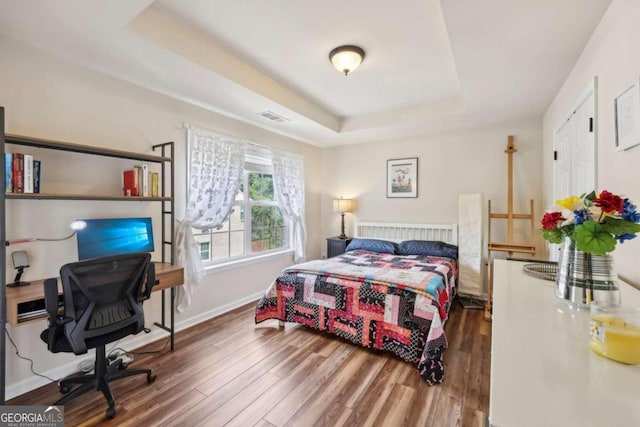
x,y
583,176
574,167
562,162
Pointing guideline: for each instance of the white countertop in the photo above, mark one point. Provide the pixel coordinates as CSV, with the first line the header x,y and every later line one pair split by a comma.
x,y
543,372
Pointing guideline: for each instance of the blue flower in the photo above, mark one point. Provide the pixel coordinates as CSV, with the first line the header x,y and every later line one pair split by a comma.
x,y
625,236
629,211
579,216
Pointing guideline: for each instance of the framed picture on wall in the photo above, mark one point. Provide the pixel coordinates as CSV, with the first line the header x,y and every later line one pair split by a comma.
x,y
402,177
627,115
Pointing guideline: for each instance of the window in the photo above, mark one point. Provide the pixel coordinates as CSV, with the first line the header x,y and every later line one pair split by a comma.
x,y
256,224
205,253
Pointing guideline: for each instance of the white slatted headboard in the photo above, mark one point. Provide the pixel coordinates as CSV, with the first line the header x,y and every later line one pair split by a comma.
x,y
398,232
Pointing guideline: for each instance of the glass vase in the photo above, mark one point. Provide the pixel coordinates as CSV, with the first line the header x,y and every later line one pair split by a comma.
x,y
583,278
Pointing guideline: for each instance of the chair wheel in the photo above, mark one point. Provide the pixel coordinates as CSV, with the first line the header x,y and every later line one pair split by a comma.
x,y
151,377
123,365
111,413
65,388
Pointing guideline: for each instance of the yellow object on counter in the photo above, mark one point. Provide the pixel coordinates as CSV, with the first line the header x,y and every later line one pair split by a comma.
x,y
615,339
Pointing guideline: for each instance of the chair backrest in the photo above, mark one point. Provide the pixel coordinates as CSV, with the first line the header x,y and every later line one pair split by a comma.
x,y
103,298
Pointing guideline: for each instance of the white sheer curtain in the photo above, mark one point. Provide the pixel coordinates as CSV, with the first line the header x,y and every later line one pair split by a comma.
x,y
288,184
215,171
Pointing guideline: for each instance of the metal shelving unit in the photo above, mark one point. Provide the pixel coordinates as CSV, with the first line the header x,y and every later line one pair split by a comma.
x,y
168,215
3,270
166,161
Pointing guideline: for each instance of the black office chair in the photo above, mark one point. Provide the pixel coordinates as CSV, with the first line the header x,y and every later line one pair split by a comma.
x,y
102,304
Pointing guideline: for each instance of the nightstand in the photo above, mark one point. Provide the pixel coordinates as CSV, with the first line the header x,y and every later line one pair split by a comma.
x,y
336,246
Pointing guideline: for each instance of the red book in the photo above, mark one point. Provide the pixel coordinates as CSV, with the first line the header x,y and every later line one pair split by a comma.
x,y
130,184
18,173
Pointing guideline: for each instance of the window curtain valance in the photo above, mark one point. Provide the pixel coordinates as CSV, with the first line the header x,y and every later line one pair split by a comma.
x,y
215,172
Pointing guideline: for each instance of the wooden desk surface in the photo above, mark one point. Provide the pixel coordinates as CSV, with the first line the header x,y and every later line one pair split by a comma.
x,y
168,276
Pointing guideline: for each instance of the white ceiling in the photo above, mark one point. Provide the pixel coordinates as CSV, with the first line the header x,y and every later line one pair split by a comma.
x,y
430,65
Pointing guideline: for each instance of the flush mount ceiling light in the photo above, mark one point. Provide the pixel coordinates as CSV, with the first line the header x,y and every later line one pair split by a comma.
x,y
346,58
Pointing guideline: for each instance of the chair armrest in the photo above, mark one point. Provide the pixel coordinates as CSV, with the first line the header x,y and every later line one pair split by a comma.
x,y
151,282
51,306
51,297
51,303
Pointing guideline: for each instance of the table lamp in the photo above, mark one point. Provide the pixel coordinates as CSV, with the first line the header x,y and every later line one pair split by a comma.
x,y
343,206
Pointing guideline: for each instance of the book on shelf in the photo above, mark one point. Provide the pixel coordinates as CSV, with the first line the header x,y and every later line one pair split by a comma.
x,y
18,173
37,167
144,189
130,183
155,177
145,180
28,173
21,173
138,170
8,172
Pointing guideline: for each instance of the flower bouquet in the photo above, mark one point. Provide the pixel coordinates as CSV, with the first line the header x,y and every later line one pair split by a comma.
x,y
593,222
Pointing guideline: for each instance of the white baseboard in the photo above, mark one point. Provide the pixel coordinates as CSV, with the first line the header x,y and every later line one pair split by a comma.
x,y
202,317
130,344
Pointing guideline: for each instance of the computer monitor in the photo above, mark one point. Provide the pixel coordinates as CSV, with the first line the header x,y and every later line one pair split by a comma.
x,y
114,236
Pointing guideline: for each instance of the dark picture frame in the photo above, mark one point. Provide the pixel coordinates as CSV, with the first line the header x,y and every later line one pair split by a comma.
x,y
402,178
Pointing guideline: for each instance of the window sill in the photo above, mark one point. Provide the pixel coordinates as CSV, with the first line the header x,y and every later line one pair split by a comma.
x,y
215,268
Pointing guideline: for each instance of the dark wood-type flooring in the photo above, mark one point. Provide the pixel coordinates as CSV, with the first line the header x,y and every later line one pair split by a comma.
x,y
229,371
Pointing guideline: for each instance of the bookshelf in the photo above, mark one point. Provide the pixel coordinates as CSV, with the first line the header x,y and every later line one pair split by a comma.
x,y
96,151
165,200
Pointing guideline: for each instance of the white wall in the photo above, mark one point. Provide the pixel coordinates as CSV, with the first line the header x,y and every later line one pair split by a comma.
x,y
50,98
449,164
612,55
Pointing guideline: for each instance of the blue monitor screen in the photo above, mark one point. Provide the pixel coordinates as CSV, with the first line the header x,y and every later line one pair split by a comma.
x,y
114,236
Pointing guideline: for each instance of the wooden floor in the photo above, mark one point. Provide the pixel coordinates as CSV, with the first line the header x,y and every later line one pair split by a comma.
x,y
228,371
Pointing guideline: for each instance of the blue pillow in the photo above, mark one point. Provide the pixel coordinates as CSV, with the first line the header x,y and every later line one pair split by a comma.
x,y
428,247
373,245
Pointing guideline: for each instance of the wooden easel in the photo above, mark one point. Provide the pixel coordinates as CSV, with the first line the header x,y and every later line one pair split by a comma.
x,y
509,246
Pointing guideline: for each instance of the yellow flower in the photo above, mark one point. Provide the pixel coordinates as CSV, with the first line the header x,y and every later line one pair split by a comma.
x,y
568,202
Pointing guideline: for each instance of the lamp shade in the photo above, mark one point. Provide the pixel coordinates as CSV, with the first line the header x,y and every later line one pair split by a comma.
x,y
343,205
346,58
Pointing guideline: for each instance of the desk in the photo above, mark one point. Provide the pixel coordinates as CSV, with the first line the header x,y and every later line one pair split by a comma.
x,y
168,276
543,372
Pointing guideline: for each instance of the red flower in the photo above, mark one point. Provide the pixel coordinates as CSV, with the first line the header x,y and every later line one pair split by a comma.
x,y
609,202
550,219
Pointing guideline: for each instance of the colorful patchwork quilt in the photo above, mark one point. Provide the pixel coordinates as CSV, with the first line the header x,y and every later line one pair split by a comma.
x,y
381,301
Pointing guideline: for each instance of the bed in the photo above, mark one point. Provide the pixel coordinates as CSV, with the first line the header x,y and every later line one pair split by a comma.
x,y
391,290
